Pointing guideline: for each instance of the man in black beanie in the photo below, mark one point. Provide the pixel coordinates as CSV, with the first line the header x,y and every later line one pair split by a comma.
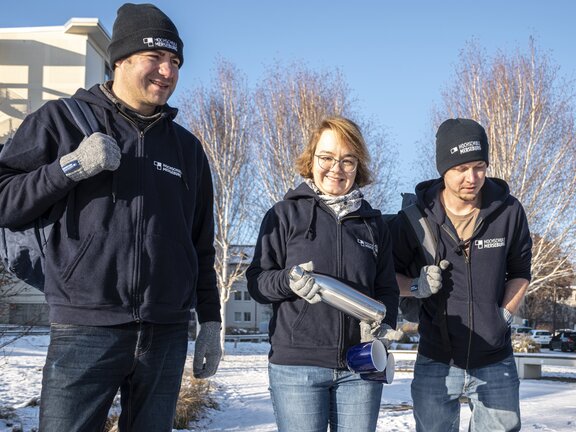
x,y
484,255
133,251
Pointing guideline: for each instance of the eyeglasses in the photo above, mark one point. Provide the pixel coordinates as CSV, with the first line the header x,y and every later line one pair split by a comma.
x,y
348,164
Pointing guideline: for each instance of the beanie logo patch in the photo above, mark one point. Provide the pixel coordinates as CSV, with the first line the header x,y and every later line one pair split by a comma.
x,y
160,43
467,147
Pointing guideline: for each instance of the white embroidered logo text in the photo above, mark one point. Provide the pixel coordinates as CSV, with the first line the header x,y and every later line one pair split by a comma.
x,y
490,243
168,169
365,244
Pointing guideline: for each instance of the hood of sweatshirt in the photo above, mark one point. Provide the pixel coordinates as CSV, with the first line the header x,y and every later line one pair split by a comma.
x,y
494,193
96,97
303,191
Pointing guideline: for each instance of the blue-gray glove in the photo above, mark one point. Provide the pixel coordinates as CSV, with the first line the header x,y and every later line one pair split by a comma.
x,y
207,347
430,280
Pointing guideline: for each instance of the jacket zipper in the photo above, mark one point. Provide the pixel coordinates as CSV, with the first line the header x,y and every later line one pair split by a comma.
x,y
467,260
343,318
470,307
136,294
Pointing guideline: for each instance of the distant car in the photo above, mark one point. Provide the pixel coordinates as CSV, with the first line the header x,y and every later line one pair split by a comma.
x,y
521,330
564,340
542,337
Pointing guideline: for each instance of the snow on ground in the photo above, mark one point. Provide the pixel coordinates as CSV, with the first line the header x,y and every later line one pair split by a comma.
x,y
241,390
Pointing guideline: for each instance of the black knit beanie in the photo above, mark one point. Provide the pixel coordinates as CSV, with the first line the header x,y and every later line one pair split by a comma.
x,y
143,27
460,141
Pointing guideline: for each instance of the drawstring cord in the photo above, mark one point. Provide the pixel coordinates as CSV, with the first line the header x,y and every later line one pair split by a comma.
x,y
372,238
180,156
108,129
310,232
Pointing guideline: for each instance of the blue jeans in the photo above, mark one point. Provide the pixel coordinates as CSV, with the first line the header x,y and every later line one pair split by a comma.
x,y
308,398
85,367
493,393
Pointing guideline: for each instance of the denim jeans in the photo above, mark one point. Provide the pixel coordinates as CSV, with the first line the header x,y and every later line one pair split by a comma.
x,y
493,393
308,399
85,367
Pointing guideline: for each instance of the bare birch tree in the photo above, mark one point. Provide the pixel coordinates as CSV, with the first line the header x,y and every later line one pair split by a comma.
x,y
528,113
290,102
542,305
220,116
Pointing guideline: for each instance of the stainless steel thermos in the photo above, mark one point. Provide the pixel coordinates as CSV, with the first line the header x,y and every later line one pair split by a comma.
x,y
345,298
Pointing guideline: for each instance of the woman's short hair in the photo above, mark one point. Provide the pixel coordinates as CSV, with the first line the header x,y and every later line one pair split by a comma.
x,y
347,132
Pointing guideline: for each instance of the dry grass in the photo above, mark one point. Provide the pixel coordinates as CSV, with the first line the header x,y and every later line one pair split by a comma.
x,y
409,332
193,400
111,424
524,343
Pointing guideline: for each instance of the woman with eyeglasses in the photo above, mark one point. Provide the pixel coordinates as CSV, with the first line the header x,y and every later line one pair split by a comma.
x,y
324,225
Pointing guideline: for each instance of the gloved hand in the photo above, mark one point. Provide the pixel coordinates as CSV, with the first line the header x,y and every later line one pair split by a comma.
x,y
507,315
207,347
96,153
382,332
430,280
306,286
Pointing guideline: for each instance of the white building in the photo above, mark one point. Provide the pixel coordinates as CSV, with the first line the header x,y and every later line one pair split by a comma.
x,y
242,312
38,64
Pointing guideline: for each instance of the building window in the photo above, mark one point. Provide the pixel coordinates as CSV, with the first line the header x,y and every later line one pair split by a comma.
x,y
238,295
237,316
247,316
247,296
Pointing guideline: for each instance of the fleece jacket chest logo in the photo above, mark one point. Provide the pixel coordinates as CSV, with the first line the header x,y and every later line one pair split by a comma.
x,y
167,169
490,243
365,244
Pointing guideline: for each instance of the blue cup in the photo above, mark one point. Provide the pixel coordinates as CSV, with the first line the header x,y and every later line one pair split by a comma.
x,y
386,376
367,357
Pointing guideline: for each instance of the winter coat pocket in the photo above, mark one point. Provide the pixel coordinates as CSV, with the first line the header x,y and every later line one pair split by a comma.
x,y
101,270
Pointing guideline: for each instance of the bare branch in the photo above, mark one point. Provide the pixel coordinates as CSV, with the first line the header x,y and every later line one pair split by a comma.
x,y
528,114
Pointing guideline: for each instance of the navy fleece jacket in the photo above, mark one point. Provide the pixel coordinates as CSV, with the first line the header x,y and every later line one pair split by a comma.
x,y
472,287
355,250
133,244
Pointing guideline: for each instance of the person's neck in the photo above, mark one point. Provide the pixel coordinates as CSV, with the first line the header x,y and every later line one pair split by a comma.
x,y
143,110
458,206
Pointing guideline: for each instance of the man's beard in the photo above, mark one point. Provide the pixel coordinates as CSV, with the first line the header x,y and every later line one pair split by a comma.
x,y
468,197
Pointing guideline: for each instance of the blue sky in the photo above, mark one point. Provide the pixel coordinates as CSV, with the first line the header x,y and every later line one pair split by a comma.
x,y
396,56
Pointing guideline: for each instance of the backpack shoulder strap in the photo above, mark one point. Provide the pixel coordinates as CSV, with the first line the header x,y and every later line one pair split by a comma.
x,y
423,232
82,114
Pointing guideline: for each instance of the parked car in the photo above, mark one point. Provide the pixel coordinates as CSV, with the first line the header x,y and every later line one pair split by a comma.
x,y
521,330
542,337
564,340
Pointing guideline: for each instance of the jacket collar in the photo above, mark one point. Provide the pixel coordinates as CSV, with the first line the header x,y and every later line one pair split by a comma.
x,y
495,192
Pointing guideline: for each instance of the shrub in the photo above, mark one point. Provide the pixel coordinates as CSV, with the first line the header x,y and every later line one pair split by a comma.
x,y
524,343
409,333
193,400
